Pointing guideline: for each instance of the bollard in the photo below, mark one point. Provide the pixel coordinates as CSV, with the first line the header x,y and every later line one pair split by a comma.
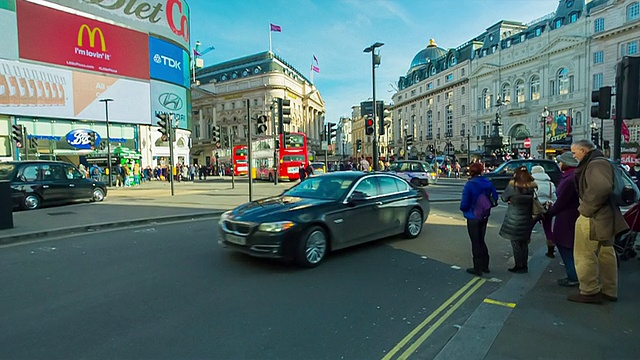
x,y
6,206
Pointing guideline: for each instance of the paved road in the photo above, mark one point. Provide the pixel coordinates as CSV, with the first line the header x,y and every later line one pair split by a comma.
x,y
169,291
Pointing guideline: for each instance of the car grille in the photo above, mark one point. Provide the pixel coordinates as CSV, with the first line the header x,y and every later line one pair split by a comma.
x,y
238,227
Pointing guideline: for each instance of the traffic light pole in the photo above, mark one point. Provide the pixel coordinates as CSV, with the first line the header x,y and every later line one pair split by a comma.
x,y
249,150
375,121
326,148
25,143
170,135
275,148
233,170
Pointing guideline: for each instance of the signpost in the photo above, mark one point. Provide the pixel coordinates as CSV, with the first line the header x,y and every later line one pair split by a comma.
x,y
527,143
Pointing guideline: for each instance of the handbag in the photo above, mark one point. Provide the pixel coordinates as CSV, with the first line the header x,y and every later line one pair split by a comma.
x,y
537,208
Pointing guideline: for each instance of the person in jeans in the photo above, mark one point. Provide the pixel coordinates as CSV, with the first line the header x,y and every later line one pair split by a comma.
x,y
477,186
599,222
518,223
565,211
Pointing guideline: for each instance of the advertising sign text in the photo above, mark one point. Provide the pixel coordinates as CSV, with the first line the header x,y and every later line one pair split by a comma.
x,y
168,62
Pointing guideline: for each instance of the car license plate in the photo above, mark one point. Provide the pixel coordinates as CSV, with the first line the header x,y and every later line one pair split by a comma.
x,y
236,239
292,170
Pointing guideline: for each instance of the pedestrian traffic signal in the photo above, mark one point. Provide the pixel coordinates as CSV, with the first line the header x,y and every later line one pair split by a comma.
x,y
409,140
368,126
601,99
285,139
92,140
432,149
628,88
18,135
595,136
215,134
262,124
358,145
331,132
163,123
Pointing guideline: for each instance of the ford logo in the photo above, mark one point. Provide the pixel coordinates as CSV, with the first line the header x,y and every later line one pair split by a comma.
x,y
81,138
170,101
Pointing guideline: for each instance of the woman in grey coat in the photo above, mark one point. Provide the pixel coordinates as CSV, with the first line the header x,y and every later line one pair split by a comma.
x,y
518,223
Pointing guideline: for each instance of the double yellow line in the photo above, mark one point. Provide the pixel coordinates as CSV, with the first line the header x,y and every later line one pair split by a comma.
x,y
463,294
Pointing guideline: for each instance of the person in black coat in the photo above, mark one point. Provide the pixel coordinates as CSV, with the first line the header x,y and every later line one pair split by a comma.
x,y
518,222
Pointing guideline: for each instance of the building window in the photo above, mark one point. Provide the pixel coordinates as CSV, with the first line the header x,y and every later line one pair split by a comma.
x,y
573,18
578,118
222,107
233,105
632,48
462,90
534,88
448,95
448,78
449,124
438,82
196,130
523,37
463,110
598,25
598,57
430,123
552,87
597,81
633,11
433,70
538,31
430,86
462,72
505,92
486,99
453,61
430,102
558,23
508,43
563,81
519,91
438,98
255,102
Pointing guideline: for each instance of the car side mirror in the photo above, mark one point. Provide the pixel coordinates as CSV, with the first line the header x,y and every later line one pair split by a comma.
x,y
356,198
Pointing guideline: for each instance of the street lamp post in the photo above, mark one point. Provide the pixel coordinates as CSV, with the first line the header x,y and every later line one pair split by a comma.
x,y
375,59
405,145
106,116
544,115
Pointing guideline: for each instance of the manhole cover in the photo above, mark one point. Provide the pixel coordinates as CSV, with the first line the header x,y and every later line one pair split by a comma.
x,y
61,213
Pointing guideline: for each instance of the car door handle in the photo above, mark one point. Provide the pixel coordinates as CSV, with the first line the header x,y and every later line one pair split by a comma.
x,y
45,186
72,185
378,202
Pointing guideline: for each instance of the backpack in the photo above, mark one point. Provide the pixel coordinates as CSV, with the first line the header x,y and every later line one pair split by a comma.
x,y
95,171
625,191
482,208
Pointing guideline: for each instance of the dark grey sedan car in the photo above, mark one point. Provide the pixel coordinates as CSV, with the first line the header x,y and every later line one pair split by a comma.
x,y
501,176
326,213
34,183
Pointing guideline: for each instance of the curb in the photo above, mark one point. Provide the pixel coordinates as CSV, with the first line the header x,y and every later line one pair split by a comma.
x,y
25,236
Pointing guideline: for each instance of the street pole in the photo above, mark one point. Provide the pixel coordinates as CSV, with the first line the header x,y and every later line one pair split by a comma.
x,y
249,150
233,170
106,117
468,148
326,148
372,49
171,135
26,142
275,148
545,114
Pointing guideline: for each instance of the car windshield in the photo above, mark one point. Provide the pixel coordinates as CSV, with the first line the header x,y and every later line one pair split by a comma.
x,y
330,188
6,170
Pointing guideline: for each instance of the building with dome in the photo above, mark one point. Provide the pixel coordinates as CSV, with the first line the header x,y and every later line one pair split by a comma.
x,y
432,103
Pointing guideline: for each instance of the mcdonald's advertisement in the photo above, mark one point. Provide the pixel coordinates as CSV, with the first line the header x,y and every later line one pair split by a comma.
x,y
56,37
44,91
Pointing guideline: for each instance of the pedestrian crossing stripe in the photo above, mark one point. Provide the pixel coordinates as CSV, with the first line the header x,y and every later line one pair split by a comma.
x,y
500,303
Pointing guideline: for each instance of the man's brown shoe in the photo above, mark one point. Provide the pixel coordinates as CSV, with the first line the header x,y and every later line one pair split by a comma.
x,y
588,299
609,297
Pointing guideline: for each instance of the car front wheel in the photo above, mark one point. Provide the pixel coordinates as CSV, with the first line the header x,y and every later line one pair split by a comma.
x,y
31,202
313,248
98,195
414,224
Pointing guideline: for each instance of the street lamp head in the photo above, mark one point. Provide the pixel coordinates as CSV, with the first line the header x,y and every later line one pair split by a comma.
x,y
372,47
105,100
545,112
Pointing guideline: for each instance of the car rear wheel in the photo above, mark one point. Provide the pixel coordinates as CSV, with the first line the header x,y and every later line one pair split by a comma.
x,y
414,224
313,248
31,202
415,181
98,195
270,177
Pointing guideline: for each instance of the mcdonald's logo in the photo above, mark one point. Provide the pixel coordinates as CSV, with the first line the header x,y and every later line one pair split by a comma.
x,y
92,36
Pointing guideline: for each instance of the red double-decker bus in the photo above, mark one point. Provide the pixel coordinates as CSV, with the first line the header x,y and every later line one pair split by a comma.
x,y
240,160
292,153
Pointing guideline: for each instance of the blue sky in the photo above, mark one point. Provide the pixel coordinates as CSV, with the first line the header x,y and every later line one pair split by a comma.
x,y
338,31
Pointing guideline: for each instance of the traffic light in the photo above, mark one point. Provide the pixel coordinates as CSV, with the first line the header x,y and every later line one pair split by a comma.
x,y
92,140
18,134
595,136
163,123
628,88
601,100
285,139
284,113
368,126
33,143
409,140
262,124
432,149
215,134
359,145
331,132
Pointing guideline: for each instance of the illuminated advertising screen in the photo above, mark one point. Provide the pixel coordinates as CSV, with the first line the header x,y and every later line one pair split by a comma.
x,y
9,30
168,62
57,37
170,99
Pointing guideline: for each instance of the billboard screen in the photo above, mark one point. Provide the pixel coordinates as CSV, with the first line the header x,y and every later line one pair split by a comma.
x,y
40,91
170,99
168,62
167,18
9,30
57,37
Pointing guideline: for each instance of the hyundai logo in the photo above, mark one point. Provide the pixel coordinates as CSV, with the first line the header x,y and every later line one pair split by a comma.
x,y
170,101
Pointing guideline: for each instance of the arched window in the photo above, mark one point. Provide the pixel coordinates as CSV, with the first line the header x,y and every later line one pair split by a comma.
x,y
433,70
449,124
486,99
505,92
578,119
534,88
519,91
563,81
633,11
463,110
429,123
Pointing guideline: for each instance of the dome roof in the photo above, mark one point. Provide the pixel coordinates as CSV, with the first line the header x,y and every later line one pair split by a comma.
x,y
429,54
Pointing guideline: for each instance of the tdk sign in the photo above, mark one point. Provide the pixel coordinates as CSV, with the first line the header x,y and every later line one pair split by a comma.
x,y
167,62
81,138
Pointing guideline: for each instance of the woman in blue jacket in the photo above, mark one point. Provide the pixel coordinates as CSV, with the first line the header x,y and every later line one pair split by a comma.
x,y
477,227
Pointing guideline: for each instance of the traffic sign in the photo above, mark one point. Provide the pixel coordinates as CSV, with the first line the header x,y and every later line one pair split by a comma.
x,y
527,143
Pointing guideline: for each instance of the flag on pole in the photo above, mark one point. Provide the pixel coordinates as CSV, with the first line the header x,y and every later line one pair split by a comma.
x,y
315,68
625,131
315,59
196,53
276,28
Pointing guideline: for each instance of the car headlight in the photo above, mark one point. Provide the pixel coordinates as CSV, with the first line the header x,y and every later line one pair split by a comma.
x,y
225,216
276,226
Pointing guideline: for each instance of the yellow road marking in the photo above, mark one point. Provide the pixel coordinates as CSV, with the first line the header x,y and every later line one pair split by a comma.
x,y
501,303
432,316
437,324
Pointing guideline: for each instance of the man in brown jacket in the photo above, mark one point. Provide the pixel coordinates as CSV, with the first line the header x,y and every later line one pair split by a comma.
x,y
599,222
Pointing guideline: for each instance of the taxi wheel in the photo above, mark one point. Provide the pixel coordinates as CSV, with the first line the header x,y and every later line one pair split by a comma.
x,y
31,202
